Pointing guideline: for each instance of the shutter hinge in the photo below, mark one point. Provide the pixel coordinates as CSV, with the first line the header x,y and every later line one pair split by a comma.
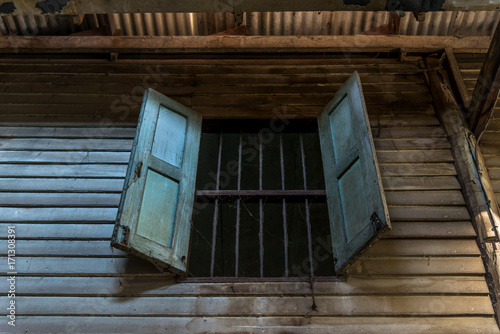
x,y
137,172
126,234
375,220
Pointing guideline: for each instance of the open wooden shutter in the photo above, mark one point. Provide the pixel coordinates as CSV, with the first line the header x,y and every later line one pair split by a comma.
x,y
356,203
156,207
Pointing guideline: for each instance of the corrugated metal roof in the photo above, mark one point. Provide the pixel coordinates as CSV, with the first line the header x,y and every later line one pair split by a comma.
x,y
266,23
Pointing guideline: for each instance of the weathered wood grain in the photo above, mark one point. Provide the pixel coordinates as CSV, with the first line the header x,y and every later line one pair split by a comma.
x,y
70,157
428,213
432,197
63,184
159,286
418,266
421,156
272,325
15,214
63,171
88,144
253,306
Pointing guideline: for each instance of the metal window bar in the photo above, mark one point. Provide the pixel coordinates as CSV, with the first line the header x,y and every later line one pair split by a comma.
x,y
261,211
285,226
238,202
308,218
216,209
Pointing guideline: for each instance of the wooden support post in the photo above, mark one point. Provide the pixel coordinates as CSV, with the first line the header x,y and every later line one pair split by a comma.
x,y
472,175
461,138
487,88
456,78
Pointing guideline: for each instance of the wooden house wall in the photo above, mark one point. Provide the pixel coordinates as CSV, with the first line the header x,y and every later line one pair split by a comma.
x,y
470,66
65,139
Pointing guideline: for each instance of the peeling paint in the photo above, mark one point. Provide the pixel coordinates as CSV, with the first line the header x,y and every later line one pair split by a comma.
x,y
7,8
51,6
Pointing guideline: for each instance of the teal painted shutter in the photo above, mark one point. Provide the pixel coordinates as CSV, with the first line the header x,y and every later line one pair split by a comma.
x,y
156,207
356,203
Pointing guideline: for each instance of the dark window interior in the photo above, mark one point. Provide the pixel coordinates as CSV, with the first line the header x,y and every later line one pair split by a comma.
x,y
251,179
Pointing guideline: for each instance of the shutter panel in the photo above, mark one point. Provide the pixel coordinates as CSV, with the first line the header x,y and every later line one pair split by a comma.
x,y
356,203
156,207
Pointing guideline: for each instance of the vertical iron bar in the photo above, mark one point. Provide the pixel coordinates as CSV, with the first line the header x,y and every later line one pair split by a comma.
x,y
285,226
216,210
237,243
308,218
261,212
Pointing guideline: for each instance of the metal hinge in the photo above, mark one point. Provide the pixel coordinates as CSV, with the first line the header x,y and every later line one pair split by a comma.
x,y
137,172
375,220
126,234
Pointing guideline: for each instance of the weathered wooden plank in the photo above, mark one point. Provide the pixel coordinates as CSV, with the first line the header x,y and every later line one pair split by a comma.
x,y
271,325
75,248
494,173
63,171
423,248
126,114
289,78
416,132
492,160
418,266
118,266
254,306
79,266
86,248
59,199
496,185
67,132
154,286
65,86
223,44
49,231
417,169
57,214
360,58
441,230
421,183
428,213
387,121
491,137
102,231
494,125
441,198
305,98
60,185
421,156
247,68
417,143
88,144
63,157
490,148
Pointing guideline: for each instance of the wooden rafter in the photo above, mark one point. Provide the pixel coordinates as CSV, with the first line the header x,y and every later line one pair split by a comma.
x,y
487,88
222,44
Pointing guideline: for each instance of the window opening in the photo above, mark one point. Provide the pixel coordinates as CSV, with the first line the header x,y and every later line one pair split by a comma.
x,y
261,202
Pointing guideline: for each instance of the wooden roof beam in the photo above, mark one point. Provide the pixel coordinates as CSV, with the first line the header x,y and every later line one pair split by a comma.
x,y
75,7
487,88
234,44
